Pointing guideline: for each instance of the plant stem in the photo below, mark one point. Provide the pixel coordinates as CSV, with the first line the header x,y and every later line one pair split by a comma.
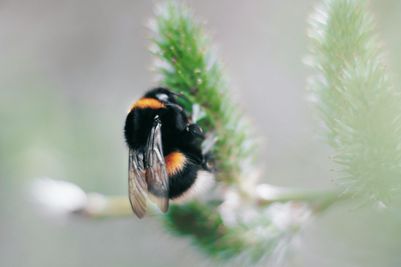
x,y
101,206
318,199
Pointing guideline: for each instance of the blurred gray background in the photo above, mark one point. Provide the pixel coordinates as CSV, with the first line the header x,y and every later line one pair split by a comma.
x,y
69,70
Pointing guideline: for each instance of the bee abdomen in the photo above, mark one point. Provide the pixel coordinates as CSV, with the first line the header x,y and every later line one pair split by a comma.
x,y
175,162
182,181
181,172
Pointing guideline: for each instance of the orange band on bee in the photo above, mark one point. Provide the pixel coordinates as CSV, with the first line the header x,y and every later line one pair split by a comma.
x,y
147,103
175,162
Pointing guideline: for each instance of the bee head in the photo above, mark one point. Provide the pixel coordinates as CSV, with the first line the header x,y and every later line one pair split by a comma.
x,y
163,95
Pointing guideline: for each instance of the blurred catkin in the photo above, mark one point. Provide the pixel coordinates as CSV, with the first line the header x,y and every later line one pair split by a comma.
x,y
360,108
186,65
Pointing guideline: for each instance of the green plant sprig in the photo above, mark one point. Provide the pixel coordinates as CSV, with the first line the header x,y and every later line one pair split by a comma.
x,y
359,106
186,65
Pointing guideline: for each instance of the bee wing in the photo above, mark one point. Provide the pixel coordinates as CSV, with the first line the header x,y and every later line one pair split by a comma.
x,y
137,187
156,173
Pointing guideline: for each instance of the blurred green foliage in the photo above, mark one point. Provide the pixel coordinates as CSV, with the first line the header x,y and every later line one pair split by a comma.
x,y
360,107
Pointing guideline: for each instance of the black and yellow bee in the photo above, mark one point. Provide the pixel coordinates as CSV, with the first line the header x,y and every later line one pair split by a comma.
x,y
165,156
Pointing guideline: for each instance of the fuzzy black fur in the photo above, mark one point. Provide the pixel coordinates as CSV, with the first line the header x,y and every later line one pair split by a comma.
x,y
177,135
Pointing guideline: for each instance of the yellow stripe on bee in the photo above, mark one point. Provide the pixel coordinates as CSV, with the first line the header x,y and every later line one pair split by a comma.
x,y
175,162
147,103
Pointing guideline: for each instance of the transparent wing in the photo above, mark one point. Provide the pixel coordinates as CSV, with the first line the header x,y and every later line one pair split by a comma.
x,y
137,187
156,173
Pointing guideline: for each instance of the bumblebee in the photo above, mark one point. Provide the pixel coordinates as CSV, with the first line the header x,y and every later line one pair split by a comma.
x,y
166,162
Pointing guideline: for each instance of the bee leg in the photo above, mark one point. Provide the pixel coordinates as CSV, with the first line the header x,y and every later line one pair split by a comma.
x,y
208,163
195,130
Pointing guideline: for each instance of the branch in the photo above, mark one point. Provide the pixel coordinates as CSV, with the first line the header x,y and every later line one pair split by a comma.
x,y
56,195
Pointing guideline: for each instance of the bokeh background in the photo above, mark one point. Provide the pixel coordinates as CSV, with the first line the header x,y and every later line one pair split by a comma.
x,y
69,70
